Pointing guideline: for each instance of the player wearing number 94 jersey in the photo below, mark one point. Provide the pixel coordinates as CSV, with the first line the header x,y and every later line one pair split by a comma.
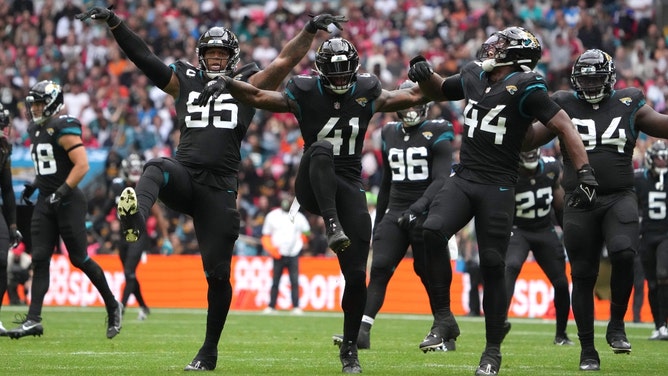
x,y
609,122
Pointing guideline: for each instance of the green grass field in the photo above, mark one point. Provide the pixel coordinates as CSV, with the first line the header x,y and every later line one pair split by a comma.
x,y
74,343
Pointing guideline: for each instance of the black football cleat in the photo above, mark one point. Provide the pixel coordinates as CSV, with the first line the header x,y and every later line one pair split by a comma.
x,y
589,361
337,240
432,342
490,363
563,340
132,223
349,361
202,363
114,321
27,328
616,337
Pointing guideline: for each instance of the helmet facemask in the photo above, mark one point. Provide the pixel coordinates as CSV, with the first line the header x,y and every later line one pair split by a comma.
x,y
50,94
529,159
414,115
593,76
337,63
511,46
218,37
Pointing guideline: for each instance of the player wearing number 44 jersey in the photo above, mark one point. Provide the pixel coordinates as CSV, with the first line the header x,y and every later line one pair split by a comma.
x,y
503,97
609,122
333,109
201,180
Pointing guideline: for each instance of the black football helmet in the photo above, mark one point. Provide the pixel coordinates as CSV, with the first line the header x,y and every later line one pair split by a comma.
x,y
413,115
132,167
529,159
593,75
658,150
511,46
49,93
337,62
4,117
218,37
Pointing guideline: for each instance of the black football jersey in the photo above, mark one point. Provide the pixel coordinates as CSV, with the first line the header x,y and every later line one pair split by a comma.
x,y
534,195
211,135
409,155
52,164
651,202
609,135
495,124
340,119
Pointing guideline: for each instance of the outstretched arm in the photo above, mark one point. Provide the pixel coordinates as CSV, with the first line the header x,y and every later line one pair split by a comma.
x,y
268,100
136,49
651,122
399,99
292,53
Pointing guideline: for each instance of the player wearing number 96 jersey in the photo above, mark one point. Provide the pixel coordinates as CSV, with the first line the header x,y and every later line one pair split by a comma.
x,y
609,122
333,108
201,180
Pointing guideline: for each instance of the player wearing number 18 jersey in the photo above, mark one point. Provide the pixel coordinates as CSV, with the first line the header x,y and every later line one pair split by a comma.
x,y
333,109
609,122
503,96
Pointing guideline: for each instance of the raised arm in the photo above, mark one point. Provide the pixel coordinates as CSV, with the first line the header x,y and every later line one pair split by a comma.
x,y
136,50
651,122
292,53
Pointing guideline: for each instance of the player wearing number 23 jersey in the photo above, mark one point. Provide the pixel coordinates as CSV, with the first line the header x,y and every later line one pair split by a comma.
x,y
333,109
502,97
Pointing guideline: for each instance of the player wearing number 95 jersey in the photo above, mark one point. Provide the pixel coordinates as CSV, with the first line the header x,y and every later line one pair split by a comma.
x,y
609,122
201,180
503,97
333,108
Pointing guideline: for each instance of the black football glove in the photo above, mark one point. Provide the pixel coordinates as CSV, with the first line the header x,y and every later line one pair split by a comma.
x,y
212,90
322,21
410,217
57,197
100,14
15,236
28,190
584,196
420,69
407,220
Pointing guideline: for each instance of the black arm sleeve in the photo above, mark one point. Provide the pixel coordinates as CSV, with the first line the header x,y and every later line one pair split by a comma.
x,y
453,88
383,199
8,198
539,105
142,56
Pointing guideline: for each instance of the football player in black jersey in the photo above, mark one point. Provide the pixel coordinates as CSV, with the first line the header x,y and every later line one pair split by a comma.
x,y
538,191
652,189
10,236
608,122
503,96
333,108
416,152
131,253
61,163
201,181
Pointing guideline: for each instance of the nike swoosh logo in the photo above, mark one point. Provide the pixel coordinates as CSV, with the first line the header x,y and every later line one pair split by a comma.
x,y
28,327
502,189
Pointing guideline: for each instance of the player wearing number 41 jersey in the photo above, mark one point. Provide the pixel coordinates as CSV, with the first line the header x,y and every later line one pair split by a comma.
x,y
503,97
333,109
609,122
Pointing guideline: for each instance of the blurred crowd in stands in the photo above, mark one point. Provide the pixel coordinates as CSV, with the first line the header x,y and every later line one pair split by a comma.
x,y
123,112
